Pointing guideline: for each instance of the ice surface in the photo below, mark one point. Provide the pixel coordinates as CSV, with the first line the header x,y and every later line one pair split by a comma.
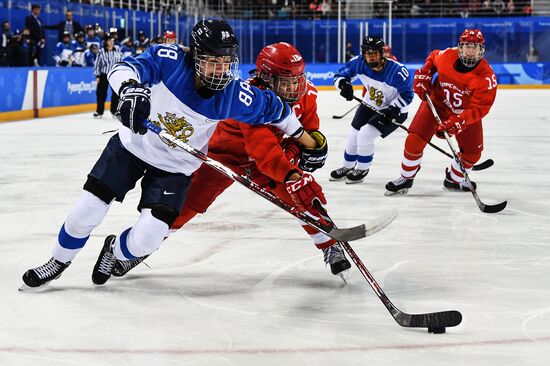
x,y
243,285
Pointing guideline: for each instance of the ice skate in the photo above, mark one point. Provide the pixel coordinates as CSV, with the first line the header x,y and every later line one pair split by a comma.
x,y
105,262
123,267
40,276
339,174
356,176
450,184
399,186
339,264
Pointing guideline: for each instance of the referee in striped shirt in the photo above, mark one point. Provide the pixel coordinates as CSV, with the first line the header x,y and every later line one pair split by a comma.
x,y
106,58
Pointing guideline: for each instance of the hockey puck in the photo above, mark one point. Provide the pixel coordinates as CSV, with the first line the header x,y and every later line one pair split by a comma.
x,y
436,330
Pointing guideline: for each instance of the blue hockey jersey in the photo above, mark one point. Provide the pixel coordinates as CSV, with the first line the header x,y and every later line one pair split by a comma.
x,y
390,86
180,110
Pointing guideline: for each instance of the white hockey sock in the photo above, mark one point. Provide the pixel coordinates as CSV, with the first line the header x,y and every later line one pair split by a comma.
x,y
410,165
143,238
86,215
456,172
319,239
365,146
350,154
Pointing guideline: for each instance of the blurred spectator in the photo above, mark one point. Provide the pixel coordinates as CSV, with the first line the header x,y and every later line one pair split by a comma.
x,y
127,48
67,25
5,44
78,46
142,42
36,28
349,52
99,32
313,9
91,54
22,49
63,54
91,38
532,55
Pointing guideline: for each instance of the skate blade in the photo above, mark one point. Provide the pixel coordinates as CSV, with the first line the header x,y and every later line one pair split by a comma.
x,y
26,288
354,181
336,179
401,192
344,275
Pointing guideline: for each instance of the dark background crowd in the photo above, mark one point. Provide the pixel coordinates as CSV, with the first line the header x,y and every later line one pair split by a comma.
x,y
322,9
77,45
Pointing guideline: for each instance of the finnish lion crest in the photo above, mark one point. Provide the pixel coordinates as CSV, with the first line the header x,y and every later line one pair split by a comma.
x,y
175,126
376,95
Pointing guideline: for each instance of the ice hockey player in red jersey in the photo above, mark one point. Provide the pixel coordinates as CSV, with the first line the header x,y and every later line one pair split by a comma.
x,y
388,54
262,154
463,94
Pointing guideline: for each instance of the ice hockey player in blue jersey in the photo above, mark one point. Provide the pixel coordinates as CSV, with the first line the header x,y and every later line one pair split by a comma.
x,y
388,90
186,93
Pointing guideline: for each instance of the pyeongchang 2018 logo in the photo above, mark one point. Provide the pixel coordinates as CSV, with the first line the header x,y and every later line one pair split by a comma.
x,y
81,87
329,75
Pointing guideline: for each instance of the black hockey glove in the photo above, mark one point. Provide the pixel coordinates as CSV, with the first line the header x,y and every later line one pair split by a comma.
x,y
392,114
134,105
313,159
346,89
63,63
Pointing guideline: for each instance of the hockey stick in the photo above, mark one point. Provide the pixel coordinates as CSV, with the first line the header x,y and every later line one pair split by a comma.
x,y
433,321
348,234
345,114
482,206
481,166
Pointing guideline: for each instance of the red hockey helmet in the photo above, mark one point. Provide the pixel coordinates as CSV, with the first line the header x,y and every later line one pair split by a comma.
x,y
471,47
170,34
169,37
282,67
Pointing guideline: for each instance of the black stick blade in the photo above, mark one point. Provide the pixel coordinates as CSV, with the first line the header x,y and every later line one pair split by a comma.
x,y
338,117
442,319
494,208
482,166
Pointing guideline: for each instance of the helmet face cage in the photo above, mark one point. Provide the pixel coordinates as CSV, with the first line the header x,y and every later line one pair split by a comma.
x,y
373,45
289,88
214,48
470,53
471,47
216,72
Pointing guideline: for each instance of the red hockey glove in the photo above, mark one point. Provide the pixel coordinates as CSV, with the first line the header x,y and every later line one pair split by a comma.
x,y
453,125
422,83
292,150
304,192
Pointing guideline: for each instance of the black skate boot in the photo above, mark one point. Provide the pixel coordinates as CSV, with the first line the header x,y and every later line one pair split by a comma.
x,y
399,186
105,262
334,256
356,176
40,276
339,174
450,184
123,267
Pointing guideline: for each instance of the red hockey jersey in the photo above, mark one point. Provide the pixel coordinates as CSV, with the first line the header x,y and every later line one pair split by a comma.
x,y
239,144
469,95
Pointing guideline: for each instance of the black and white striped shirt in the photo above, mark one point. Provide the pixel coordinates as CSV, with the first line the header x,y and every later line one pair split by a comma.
x,y
105,61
